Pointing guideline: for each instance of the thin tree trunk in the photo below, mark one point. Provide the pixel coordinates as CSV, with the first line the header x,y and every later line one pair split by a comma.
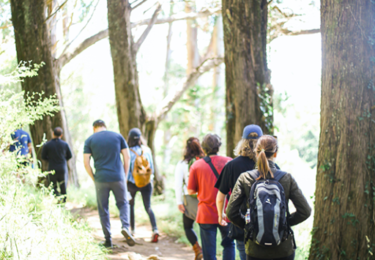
x,y
52,25
218,78
345,182
245,27
167,132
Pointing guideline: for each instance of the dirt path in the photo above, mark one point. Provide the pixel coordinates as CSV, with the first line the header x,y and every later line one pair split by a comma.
x,y
167,248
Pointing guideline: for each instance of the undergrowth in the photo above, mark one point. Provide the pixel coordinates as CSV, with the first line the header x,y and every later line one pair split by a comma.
x,y
32,224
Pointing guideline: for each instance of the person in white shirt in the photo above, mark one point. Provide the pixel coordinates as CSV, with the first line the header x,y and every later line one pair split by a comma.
x,y
193,151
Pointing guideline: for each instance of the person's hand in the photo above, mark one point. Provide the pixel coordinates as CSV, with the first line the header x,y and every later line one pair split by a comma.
x,y
181,208
222,222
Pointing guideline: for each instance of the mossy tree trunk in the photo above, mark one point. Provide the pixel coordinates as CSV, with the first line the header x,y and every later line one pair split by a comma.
x,y
248,92
33,44
345,183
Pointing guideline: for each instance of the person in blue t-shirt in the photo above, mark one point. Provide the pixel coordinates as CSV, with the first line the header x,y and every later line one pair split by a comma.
x,y
22,144
136,144
105,148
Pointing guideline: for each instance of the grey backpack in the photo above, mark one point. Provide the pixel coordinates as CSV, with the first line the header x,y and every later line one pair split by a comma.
x,y
269,213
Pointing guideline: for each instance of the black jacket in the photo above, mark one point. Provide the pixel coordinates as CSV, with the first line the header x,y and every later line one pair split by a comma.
x,y
56,152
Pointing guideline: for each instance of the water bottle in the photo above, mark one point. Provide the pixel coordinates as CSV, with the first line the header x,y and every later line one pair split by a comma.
x,y
247,217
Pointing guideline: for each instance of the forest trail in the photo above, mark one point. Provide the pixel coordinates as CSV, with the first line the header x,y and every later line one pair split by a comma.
x,y
165,249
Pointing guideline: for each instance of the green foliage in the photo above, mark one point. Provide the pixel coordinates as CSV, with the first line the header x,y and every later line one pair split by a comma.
x,y
266,105
32,225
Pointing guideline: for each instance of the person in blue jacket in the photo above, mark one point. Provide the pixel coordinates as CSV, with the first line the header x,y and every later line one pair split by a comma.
x,y
21,145
136,145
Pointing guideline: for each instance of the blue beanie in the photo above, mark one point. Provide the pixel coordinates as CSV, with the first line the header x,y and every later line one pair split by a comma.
x,y
252,129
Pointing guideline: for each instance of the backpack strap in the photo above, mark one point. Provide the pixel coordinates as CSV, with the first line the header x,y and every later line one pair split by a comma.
x,y
278,175
254,174
136,153
207,159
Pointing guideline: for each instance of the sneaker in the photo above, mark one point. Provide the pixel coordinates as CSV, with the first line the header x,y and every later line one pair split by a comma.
x,y
155,237
129,238
107,244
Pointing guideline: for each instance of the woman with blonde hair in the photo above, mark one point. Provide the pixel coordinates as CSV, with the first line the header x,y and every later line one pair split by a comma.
x,y
266,152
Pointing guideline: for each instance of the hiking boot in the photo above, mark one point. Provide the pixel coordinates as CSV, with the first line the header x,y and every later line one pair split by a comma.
x,y
198,251
107,244
129,238
155,237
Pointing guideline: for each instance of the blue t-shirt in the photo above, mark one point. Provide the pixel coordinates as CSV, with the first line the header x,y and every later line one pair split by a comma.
x,y
105,148
146,153
22,139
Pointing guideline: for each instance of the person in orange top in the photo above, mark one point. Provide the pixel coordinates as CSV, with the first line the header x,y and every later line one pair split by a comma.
x,y
203,176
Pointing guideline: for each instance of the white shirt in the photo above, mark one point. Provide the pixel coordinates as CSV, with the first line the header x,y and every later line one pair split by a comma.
x,y
181,175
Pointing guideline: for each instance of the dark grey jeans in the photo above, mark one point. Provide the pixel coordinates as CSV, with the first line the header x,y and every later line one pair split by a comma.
x,y
119,190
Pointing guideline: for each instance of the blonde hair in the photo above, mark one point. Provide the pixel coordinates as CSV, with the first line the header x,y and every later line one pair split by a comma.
x,y
246,147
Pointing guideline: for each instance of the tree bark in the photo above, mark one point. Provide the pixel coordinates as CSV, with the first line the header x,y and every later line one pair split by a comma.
x,y
345,183
33,44
247,76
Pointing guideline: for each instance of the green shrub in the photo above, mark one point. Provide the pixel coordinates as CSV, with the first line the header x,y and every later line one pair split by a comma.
x,y
32,224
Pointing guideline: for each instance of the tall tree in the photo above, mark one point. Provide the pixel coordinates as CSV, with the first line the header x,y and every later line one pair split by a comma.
x,y
124,49
247,75
345,182
33,43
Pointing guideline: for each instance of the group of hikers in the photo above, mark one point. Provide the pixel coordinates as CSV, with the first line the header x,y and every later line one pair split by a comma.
x,y
245,198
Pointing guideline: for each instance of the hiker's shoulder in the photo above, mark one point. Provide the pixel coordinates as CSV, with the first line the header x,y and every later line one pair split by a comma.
x,y
247,178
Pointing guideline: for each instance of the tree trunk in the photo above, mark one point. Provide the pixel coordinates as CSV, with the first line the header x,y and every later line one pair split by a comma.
x,y
33,44
248,92
167,132
130,110
193,60
218,79
345,191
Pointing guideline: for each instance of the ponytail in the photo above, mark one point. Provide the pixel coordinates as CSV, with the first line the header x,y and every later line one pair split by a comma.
x,y
265,149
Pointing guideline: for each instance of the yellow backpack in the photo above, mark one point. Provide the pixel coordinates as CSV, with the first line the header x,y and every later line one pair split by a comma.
x,y
141,170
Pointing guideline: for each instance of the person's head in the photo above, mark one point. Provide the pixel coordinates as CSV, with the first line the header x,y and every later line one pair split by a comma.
x,y
99,125
211,144
57,132
266,149
246,146
135,137
193,149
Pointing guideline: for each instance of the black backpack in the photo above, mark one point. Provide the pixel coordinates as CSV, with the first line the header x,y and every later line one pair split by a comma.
x,y
269,211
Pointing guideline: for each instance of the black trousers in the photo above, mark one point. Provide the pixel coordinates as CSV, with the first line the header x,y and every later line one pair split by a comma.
x,y
189,231
59,181
146,193
291,257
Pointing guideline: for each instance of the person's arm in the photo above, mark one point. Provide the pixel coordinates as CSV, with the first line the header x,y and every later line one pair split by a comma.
x,y
303,209
44,153
193,181
220,198
151,161
29,146
179,177
69,154
86,161
236,199
126,157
